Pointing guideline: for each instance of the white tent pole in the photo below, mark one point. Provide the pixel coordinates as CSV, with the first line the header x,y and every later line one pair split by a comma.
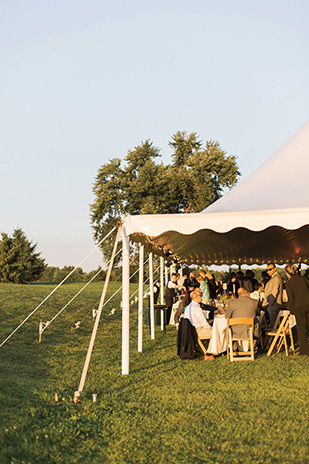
x,y
166,275
78,393
162,287
125,302
140,298
152,330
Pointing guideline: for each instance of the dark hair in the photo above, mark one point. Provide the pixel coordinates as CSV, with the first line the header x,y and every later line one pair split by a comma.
x,y
271,264
291,269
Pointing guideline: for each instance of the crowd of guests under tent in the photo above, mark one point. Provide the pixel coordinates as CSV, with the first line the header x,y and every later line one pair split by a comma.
x,y
199,298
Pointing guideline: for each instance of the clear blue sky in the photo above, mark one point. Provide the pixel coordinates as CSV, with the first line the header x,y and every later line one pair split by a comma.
x,y
84,81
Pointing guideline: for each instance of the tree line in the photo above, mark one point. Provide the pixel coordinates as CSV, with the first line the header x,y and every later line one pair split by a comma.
x,y
20,263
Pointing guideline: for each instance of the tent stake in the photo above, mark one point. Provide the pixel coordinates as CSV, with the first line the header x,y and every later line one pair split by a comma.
x,y
78,393
40,330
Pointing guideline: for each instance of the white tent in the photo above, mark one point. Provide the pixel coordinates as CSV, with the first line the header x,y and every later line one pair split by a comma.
x,y
265,217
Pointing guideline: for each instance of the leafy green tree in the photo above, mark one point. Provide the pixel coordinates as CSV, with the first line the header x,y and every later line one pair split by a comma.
x,y
184,147
19,262
197,176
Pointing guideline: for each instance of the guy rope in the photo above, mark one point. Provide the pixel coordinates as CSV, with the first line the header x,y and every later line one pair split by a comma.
x,y
53,291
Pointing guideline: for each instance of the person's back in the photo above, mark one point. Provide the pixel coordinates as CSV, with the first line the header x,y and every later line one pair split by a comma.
x,y
298,302
247,282
298,291
243,306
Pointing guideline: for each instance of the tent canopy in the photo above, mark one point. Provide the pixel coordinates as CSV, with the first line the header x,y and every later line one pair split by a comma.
x,y
265,217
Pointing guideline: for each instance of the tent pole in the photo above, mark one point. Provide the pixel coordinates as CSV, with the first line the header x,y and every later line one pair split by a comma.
x,y
125,302
152,327
166,275
140,297
78,393
161,290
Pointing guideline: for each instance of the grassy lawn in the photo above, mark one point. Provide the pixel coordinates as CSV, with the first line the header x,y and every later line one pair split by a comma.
x,y
166,411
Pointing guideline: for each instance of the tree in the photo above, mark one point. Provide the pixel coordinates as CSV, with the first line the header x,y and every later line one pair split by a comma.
x,y
19,263
196,178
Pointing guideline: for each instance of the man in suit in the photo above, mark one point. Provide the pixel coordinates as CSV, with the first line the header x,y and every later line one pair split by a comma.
x,y
243,306
273,293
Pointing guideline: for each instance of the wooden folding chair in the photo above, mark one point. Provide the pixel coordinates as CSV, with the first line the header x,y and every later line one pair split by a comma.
x,y
230,339
201,345
279,332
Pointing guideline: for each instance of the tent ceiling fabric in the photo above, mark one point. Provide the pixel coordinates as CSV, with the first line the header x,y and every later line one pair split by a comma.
x,y
238,246
264,218
280,182
225,238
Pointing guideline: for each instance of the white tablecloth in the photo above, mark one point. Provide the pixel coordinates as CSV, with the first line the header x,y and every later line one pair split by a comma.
x,y
217,343
173,312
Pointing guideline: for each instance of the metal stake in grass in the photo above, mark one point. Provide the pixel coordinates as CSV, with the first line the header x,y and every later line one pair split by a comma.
x,y
40,330
94,397
56,397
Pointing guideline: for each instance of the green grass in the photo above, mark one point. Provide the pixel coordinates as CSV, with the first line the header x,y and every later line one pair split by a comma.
x,y
166,410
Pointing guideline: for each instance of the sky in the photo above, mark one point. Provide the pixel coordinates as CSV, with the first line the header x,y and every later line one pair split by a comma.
x,y
82,82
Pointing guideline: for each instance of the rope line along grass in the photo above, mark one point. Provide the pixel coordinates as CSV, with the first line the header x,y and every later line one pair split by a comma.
x,y
56,288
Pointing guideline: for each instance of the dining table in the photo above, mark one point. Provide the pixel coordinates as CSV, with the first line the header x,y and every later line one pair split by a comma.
x,y
217,344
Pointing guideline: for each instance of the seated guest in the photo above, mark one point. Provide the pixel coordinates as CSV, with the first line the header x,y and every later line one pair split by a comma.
x,y
195,315
243,306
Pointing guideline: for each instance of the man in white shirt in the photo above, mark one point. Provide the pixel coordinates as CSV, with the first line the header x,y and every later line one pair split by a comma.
x,y
170,294
194,313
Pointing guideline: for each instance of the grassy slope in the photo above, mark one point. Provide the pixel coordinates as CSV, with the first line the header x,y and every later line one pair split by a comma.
x,y
166,410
